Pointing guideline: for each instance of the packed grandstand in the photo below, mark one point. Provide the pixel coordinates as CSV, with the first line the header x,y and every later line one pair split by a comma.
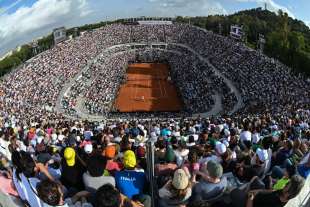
x,y
240,139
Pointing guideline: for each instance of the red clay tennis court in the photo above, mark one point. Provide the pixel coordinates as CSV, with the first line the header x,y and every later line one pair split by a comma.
x,y
148,89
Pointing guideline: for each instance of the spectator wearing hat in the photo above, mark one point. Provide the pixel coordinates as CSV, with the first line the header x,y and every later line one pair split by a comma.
x,y
263,198
61,140
88,134
279,184
176,191
72,170
165,132
191,142
220,150
132,181
85,153
106,141
246,134
256,167
112,165
211,185
88,148
227,134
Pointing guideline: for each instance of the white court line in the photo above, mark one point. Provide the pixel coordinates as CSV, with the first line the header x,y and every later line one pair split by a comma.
x,y
161,92
136,89
165,92
165,95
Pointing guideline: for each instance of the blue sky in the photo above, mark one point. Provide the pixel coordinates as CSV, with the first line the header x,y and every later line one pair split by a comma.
x,y
24,20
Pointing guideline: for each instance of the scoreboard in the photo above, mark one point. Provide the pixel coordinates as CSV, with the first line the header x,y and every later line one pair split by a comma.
x,y
59,35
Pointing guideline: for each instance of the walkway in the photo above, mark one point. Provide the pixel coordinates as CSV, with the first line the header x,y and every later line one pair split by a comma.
x,y
228,82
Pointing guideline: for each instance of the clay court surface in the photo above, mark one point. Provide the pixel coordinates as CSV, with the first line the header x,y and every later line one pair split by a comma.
x,y
147,89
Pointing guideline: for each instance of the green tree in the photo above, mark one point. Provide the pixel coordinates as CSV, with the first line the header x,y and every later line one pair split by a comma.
x,y
296,41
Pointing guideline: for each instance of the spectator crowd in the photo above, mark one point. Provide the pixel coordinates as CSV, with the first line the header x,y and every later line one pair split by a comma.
x,y
258,156
255,160
33,90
